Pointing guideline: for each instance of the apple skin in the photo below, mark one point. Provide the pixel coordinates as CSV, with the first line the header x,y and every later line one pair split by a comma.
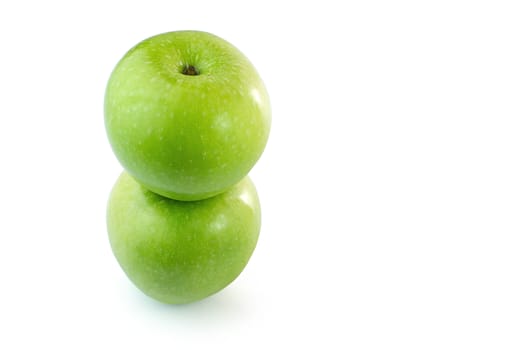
x,y
186,137
179,252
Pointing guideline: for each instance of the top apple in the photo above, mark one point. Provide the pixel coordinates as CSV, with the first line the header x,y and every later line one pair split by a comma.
x,y
187,114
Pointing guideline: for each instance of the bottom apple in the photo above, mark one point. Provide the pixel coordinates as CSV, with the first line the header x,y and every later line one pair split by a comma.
x,y
179,252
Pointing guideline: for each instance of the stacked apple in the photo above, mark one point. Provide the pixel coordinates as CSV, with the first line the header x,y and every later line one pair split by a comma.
x,y
187,116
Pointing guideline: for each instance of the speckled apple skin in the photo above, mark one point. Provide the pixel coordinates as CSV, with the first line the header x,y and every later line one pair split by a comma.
x,y
186,137
179,252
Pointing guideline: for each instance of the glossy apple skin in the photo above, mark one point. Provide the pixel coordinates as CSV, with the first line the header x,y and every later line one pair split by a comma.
x,y
186,137
179,252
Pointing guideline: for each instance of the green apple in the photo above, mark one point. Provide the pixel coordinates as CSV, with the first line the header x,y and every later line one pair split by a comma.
x,y
187,114
178,252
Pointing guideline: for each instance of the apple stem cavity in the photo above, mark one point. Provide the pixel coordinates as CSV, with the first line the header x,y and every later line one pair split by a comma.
x,y
189,70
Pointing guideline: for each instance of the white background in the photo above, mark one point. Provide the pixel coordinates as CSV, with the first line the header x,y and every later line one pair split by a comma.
x,y
392,186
